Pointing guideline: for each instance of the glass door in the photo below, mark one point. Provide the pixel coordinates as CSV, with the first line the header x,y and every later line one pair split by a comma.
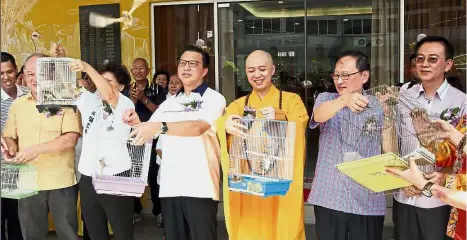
x,y
304,38
177,26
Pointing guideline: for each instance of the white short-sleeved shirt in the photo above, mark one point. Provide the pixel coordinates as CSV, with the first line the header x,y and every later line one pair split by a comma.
x,y
158,159
104,135
184,170
446,97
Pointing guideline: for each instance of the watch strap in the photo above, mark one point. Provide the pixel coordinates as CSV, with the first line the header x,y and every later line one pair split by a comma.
x,y
164,128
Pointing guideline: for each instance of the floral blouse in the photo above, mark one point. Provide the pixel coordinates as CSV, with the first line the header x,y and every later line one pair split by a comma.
x,y
455,180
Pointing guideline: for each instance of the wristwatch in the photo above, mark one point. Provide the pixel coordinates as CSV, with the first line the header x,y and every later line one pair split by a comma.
x,y
146,102
427,189
164,128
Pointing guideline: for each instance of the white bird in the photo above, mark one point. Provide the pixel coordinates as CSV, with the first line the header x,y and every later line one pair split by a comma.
x,y
99,21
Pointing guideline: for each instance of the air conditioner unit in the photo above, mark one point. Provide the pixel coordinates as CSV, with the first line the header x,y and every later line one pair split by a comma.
x,y
359,42
377,41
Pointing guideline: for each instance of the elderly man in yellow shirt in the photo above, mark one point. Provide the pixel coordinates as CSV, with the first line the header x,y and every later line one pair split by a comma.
x,y
253,217
46,141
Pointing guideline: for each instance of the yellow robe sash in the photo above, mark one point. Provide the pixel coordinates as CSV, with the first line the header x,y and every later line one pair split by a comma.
x,y
272,218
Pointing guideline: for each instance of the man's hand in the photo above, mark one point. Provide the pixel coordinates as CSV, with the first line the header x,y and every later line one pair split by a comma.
x,y
411,191
356,102
9,148
437,178
268,112
130,117
138,94
386,97
234,128
144,132
57,50
26,155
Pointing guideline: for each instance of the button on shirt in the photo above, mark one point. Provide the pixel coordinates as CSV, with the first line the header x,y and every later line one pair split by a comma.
x,y
104,135
446,97
331,188
29,127
184,168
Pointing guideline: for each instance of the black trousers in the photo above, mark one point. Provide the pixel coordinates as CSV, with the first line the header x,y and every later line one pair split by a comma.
x,y
189,218
337,225
98,209
413,223
10,219
154,187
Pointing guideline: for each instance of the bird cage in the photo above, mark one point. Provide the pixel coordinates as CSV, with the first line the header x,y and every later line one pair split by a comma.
x,y
128,183
56,84
18,181
262,163
392,128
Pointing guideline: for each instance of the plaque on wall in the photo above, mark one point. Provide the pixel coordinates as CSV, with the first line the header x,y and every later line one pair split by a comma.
x,y
100,45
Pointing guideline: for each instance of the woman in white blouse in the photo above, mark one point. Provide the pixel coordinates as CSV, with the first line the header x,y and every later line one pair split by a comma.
x,y
104,150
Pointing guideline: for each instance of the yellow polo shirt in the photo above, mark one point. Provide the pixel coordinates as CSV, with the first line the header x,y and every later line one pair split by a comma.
x,y
29,127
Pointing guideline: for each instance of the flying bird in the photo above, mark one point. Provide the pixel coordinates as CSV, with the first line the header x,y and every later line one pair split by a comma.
x,y
100,21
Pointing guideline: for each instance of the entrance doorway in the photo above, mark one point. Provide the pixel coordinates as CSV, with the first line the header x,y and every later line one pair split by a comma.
x,y
177,26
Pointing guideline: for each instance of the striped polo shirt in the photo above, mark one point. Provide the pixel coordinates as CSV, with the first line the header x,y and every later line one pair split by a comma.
x,y
7,101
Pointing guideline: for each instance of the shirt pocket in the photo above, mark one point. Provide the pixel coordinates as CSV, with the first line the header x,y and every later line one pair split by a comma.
x,y
52,124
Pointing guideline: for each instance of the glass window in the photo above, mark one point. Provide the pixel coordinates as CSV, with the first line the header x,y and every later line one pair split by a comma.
x,y
324,37
332,27
312,27
443,18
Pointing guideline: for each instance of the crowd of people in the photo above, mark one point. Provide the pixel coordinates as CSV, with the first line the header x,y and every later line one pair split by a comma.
x,y
194,124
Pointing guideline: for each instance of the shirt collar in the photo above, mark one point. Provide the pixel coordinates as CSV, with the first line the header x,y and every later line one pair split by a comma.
x,y
441,91
19,93
201,89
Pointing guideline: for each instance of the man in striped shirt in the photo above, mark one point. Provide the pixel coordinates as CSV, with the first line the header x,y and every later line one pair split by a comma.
x,y
10,91
343,208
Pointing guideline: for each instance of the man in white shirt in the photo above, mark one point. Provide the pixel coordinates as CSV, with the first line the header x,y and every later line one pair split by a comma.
x,y
10,91
417,217
189,184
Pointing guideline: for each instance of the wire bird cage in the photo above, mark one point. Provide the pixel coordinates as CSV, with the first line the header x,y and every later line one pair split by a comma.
x,y
392,128
262,163
18,181
56,84
131,182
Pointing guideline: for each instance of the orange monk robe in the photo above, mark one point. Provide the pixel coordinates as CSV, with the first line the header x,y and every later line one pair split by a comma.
x,y
272,218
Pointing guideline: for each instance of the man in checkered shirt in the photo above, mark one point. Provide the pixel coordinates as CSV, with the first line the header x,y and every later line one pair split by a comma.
x,y
343,208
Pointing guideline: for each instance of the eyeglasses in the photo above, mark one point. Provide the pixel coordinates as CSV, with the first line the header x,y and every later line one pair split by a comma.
x,y
431,59
192,64
343,76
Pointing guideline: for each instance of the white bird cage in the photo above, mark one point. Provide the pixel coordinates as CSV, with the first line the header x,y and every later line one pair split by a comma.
x,y
128,183
392,121
18,181
262,163
56,84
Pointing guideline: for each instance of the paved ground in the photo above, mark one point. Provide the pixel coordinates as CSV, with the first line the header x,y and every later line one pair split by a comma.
x,y
147,229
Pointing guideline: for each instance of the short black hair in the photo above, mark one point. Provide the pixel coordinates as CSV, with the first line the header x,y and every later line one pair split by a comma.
x,y
161,72
362,63
120,72
6,57
199,50
448,47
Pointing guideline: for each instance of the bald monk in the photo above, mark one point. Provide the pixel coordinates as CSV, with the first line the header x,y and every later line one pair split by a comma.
x,y
253,217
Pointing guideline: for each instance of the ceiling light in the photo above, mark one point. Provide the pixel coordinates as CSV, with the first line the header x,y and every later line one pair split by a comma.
x,y
240,20
280,2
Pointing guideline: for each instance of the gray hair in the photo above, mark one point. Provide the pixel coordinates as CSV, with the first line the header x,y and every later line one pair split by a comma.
x,y
38,55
